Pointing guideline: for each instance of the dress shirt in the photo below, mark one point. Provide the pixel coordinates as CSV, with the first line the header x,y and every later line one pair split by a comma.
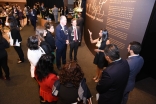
x,y
74,28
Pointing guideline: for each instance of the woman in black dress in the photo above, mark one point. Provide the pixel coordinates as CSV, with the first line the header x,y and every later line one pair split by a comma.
x,y
99,59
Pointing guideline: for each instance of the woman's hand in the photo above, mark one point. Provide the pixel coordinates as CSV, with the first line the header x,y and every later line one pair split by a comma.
x,y
90,32
96,50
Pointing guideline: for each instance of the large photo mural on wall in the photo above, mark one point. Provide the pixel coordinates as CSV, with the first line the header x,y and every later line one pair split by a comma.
x,y
125,20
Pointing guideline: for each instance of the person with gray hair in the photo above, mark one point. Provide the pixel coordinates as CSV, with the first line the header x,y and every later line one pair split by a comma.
x,y
61,41
114,78
42,42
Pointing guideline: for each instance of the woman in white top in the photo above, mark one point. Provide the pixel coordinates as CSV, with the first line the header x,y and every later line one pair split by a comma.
x,y
34,53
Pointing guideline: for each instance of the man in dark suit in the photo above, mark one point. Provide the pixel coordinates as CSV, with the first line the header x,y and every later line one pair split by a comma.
x,y
32,16
61,41
114,78
42,10
80,22
74,34
135,62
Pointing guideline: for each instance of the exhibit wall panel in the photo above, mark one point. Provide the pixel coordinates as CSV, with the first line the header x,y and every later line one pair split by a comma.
x,y
125,20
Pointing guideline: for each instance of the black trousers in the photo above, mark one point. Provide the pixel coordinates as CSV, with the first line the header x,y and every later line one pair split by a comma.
x,y
18,22
61,53
4,66
19,52
73,47
43,14
33,22
27,19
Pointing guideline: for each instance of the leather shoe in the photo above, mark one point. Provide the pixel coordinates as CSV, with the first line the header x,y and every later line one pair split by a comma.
x,y
59,68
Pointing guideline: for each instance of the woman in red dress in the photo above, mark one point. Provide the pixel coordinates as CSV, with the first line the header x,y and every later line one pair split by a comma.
x,y
46,76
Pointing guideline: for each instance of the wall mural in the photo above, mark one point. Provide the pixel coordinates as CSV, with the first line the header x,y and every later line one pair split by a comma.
x,y
125,20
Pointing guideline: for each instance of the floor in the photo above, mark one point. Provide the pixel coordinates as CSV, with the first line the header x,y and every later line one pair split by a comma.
x,y
22,89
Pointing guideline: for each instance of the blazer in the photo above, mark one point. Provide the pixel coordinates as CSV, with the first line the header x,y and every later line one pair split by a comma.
x,y
61,36
80,21
55,11
135,64
113,82
71,32
15,34
49,38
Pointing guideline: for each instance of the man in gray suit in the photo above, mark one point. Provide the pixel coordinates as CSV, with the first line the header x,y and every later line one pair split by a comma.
x,y
55,13
135,62
74,38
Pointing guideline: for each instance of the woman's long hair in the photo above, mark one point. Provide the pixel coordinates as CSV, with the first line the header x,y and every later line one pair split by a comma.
x,y
71,73
104,35
44,66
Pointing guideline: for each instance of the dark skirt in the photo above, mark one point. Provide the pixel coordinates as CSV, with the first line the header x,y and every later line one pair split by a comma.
x,y
100,60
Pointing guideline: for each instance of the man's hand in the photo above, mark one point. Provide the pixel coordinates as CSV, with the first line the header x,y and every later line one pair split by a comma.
x,y
67,41
45,33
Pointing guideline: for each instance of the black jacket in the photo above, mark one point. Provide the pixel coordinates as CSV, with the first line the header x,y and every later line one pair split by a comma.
x,y
49,38
15,33
3,45
46,47
113,82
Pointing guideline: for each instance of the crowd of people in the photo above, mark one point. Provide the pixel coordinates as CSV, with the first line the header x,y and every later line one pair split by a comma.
x,y
115,76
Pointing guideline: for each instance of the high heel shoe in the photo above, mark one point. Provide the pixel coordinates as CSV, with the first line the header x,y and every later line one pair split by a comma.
x,y
94,78
19,62
97,80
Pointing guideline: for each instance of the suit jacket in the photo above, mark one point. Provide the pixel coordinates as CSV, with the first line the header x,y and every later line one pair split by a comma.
x,y
71,32
42,9
80,21
33,17
15,34
61,36
55,11
113,82
135,64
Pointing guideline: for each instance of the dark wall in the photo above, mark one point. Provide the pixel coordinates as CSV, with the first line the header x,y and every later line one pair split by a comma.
x,y
48,3
148,49
125,21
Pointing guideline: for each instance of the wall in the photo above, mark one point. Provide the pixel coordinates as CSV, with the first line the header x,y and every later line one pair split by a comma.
x,y
12,0
125,20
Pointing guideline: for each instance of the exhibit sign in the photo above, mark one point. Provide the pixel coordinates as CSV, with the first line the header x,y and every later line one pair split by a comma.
x,y
125,20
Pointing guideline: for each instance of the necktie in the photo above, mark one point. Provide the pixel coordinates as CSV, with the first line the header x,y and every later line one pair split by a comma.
x,y
75,36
